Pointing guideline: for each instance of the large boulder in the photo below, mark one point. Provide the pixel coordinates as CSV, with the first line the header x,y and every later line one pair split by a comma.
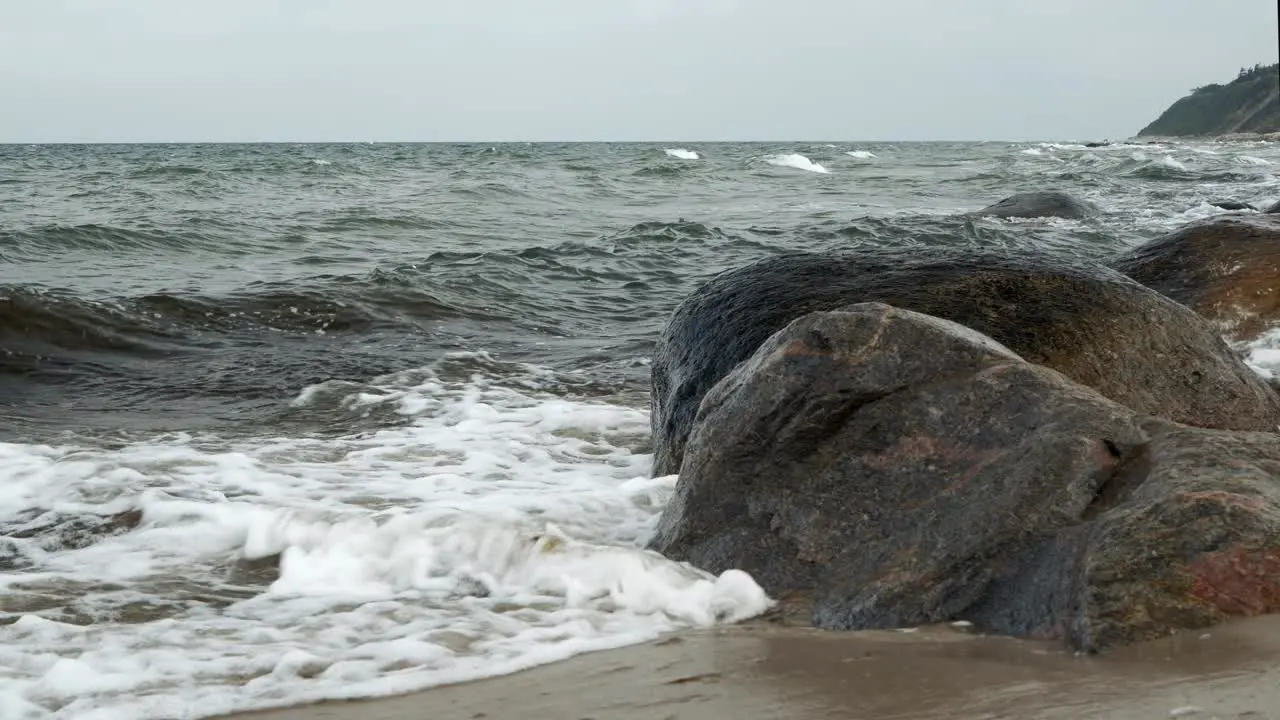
x,y
894,469
1227,269
1041,204
1091,323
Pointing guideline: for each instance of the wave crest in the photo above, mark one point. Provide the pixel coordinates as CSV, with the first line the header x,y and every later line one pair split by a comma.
x,y
796,161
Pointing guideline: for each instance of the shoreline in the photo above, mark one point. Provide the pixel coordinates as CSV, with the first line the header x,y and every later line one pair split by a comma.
x,y
758,670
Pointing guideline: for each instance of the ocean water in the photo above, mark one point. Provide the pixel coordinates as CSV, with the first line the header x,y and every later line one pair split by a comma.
x,y
281,423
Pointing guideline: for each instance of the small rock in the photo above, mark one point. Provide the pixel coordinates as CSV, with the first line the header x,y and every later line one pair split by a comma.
x,y
1041,204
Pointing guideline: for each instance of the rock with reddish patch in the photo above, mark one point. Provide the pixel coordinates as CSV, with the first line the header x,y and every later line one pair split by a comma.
x,y
1227,269
1194,539
896,470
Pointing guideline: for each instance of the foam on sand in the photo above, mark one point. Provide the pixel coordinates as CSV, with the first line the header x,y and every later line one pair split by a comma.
x,y
681,153
797,161
497,528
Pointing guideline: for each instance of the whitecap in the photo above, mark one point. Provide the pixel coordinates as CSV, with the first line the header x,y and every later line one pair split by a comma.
x,y
681,153
1263,354
797,161
860,154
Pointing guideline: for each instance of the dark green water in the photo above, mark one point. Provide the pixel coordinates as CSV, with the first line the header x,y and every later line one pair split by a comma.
x,y
186,285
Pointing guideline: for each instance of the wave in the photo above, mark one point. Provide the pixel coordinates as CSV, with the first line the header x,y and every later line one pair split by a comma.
x,y
499,528
164,172
94,237
797,161
860,154
35,321
38,324
1164,167
681,153
669,170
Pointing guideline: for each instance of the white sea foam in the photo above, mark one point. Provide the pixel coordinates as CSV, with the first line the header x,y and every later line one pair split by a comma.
x,y
682,153
320,161
497,529
1171,163
1062,146
1252,160
1263,354
1032,151
797,161
860,154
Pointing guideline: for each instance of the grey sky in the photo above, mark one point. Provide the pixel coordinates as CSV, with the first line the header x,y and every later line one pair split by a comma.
x,y
307,70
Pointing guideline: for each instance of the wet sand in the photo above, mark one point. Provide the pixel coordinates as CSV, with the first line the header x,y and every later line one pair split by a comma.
x,y
761,671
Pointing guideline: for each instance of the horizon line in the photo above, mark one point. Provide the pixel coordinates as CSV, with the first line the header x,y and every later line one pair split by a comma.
x,y
545,142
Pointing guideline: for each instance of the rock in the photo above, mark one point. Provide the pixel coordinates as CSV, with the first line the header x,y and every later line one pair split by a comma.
x,y
1099,328
1227,269
1040,205
1097,144
54,531
1231,205
1195,538
894,469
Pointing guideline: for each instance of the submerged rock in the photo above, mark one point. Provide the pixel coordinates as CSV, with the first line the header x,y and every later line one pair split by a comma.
x,y
1041,204
55,531
1094,325
896,469
1231,205
1227,269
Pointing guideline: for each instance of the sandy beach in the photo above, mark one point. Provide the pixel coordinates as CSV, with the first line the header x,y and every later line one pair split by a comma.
x,y
769,671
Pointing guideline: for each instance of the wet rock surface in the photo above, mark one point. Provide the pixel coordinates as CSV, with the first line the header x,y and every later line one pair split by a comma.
x,y
1099,328
1231,205
1227,269
1041,204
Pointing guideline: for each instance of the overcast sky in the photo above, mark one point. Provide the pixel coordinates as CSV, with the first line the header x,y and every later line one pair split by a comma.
x,y
438,70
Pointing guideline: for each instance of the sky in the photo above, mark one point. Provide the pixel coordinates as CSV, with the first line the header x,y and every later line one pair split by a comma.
x,y
563,70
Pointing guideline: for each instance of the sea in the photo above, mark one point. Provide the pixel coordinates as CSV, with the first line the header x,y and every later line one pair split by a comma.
x,y
282,423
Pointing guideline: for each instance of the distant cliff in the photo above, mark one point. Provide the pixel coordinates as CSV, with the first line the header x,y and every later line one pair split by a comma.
x,y
1248,104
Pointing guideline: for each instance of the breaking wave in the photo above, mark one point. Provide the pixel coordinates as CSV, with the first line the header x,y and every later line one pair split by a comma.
x,y
681,154
796,161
